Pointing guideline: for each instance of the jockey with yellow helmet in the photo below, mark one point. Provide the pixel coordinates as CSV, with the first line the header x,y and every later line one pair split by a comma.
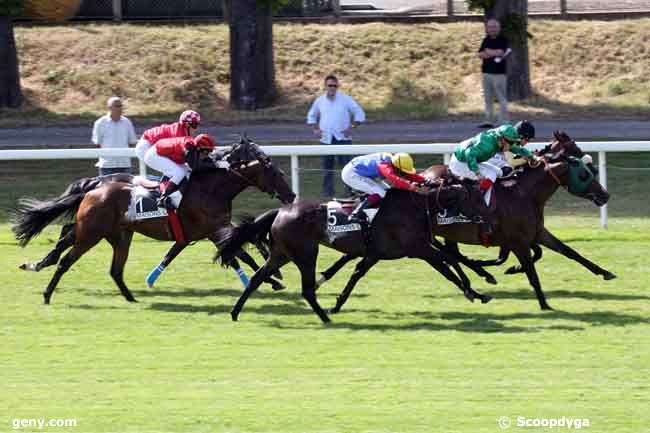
x,y
374,174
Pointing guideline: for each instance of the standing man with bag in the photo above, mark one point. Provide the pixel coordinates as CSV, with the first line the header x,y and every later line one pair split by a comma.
x,y
493,52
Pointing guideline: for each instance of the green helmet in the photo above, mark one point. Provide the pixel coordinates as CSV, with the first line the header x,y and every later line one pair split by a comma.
x,y
508,132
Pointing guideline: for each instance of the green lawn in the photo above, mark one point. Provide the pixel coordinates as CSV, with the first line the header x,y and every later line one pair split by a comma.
x,y
409,354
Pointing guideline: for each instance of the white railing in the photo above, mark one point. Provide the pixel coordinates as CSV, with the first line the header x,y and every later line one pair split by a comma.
x,y
602,147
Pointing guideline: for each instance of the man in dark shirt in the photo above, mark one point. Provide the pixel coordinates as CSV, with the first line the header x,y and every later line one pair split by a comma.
x,y
494,50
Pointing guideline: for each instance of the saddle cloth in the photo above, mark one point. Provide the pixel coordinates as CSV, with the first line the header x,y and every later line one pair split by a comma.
x,y
337,218
143,204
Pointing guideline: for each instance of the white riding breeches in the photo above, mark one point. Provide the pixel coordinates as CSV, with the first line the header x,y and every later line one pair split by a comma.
x,y
487,169
175,172
360,183
141,148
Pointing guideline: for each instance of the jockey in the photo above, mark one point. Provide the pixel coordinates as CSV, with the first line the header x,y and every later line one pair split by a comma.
x,y
169,156
186,126
367,173
481,158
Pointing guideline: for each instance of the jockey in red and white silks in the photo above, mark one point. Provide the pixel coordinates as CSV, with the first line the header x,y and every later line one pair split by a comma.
x,y
186,126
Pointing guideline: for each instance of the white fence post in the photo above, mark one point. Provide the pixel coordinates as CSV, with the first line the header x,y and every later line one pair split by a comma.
x,y
446,158
143,168
602,178
295,176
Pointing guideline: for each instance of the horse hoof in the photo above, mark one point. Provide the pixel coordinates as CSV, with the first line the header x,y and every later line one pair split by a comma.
x,y
132,300
333,310
278,287
511,270
23,266
325,319
608,276
233,316
485,299
470,297
490,279
46,300
547,307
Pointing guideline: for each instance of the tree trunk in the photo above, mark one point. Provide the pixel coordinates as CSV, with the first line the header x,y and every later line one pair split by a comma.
x,y
252,75
10,94
513,15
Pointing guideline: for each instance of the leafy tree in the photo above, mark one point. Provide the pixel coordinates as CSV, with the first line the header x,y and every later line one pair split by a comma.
x,y
513,15
10,93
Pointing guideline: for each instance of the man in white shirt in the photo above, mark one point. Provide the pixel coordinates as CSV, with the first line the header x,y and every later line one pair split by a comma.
x,y
332,116
111,131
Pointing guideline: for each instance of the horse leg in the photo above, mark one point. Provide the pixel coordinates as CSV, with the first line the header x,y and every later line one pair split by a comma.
x,y
553,243
504,253
307,266
68,260
517,269
435,259
174,251
526,260
66,240
246,258
360,270
121,243
274,262
452,247
332,270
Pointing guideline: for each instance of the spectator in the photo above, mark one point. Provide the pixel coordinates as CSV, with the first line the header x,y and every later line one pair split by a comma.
x,y
113,131
332,116
494,50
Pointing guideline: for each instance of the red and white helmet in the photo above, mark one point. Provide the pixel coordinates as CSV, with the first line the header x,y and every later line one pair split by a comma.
x,y
191,117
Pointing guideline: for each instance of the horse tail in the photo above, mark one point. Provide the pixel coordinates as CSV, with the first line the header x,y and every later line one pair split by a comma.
x,y
230,240
32,216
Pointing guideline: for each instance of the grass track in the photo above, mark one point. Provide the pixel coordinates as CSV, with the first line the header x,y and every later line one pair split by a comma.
x,y
409,354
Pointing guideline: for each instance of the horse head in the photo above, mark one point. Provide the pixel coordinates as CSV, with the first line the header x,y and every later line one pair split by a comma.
x,y
573,169
249,160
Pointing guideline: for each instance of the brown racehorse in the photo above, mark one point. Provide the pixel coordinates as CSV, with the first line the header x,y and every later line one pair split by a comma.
x,y
520,211
100,213
244,150
400,229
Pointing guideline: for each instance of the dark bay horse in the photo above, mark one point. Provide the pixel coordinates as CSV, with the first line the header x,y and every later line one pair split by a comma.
x,y
100,213
400,229
561,145
520,212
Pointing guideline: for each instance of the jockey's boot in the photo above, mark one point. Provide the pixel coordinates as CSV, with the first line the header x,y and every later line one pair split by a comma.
x,y
164,200
358,215
486,227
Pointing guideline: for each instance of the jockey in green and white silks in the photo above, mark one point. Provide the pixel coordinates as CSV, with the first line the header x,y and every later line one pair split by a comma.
x,y
481,157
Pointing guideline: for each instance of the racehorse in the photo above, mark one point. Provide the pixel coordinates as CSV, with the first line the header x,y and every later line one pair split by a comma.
x,y
401,228
520,212
563,144
100,213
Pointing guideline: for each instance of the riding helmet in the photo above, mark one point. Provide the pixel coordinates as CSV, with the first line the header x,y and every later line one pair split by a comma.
x,y
525,129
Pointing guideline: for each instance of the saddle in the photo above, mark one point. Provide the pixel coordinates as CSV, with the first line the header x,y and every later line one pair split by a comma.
x,y
143,205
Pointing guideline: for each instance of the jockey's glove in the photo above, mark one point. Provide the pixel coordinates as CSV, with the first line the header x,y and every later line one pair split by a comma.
x,y
222,164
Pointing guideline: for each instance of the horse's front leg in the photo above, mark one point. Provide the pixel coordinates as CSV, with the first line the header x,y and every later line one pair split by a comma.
x,y
332,270
548,240
169,257
523,254
359,271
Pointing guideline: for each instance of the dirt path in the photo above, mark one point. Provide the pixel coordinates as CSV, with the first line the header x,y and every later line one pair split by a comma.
x,y
381,132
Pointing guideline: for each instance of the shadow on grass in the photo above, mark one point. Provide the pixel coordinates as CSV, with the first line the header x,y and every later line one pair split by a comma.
x,y
486,322
529,294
